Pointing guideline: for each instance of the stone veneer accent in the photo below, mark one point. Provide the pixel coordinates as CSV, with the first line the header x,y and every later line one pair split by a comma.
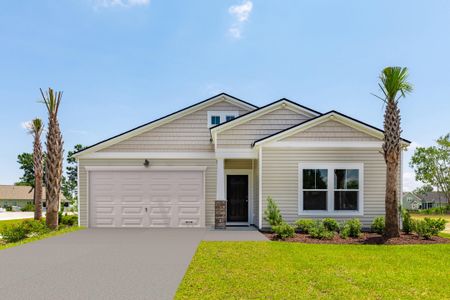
x,y
220,214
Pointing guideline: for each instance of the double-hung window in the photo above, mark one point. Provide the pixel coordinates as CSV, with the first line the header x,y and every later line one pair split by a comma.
x,y
330,188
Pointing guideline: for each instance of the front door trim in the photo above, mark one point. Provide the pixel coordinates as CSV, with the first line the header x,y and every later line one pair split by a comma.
x,y
248,172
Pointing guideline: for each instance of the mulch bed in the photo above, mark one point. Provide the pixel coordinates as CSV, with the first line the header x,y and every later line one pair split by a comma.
x,y
366,238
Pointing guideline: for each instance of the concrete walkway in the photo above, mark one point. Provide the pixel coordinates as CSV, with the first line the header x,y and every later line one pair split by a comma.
x,y
105,263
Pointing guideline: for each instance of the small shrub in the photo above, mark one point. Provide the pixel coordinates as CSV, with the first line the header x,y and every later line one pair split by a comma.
x,y
13,233
331,224
272,213
427,227
407,222
319,231
378,225
28,207
304,225
34,227
284,230
8,208
351,228
69,220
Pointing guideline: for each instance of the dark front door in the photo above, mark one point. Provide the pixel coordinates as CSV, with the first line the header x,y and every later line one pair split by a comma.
x,y
237,198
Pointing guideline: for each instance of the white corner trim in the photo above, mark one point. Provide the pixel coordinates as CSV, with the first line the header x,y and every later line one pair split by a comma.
x,y
143,168
260,217
149,155
331,116
78,192
220,179
325,144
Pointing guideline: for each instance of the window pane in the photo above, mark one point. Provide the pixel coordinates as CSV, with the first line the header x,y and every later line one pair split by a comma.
x,y
339,179
345,200
353,179
346,179
321,178
229,118
315,179
314,200
309,181
215,120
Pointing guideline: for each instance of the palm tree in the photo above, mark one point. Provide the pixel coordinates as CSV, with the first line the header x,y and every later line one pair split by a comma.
x,y
394,85
54,158
35,128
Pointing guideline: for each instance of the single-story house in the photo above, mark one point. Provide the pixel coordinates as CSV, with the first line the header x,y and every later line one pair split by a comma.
x,y
423,201
17,195
411,201
216,162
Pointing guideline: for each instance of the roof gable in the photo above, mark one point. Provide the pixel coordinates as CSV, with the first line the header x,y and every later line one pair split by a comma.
x,y
330,116
282,103
164,120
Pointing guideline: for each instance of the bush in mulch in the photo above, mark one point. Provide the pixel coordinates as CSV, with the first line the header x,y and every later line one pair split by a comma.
x,y
365,238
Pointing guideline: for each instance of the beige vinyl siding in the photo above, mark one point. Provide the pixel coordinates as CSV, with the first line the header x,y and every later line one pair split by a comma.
x,y
330,131
280,178
189,133
238,164
243,135
256,192
210,180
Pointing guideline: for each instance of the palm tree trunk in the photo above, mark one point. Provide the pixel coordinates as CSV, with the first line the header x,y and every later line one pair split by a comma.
x,y
38,197
391,149
392,228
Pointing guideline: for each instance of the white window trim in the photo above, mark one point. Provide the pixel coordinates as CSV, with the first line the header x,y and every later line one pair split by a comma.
x,y
222,115
330,188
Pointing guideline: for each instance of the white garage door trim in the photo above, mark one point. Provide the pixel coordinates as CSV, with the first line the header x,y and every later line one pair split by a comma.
x,y
89,169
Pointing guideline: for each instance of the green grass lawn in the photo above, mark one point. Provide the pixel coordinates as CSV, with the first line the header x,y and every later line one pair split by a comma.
x,y
278,270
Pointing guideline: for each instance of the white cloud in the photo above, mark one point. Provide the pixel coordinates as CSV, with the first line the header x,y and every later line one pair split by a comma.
x,y
241,14
122,3
26,125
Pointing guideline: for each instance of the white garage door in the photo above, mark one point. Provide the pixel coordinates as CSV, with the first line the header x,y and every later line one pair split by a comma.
x,y
146,199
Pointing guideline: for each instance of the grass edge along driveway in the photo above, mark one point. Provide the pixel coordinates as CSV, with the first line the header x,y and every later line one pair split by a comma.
x,y
278,270
38,237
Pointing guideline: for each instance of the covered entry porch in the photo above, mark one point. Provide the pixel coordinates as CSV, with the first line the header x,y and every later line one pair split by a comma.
x,y
237,192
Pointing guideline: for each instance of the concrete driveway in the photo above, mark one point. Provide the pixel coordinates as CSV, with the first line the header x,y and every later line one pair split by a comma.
x,y
105,263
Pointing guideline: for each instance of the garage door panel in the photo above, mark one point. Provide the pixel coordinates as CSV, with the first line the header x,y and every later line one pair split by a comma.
x,y
160,222
146,198
132,199
131,222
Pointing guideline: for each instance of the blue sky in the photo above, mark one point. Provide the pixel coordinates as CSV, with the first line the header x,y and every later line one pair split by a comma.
x,y
122,63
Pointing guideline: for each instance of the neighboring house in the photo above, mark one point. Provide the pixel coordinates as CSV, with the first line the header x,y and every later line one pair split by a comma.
x,y
16,195
411,201
433,199
414,201
218,160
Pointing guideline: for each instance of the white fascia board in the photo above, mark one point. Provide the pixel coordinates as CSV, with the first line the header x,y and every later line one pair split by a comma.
x,y
268,109
163,121
319,120
237,153
326,144
143,168
149,155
